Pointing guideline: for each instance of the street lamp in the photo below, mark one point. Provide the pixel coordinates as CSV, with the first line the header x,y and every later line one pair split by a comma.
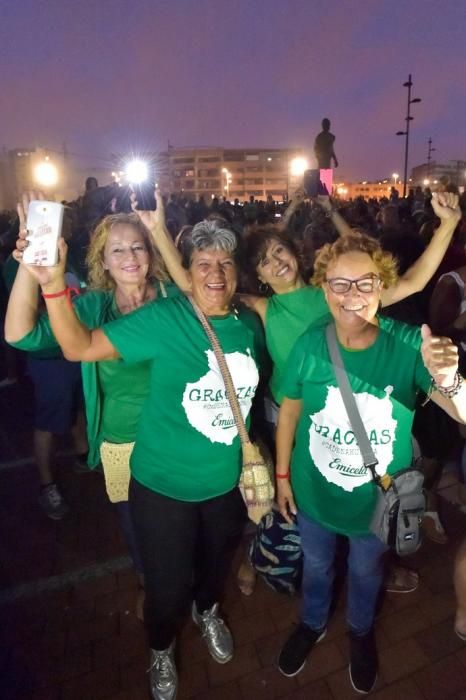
x,y
298,166
408,119
228,180
46,173
395,176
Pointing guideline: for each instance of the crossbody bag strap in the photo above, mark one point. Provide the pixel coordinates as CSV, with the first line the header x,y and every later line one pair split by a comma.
x,y
222,363
368,456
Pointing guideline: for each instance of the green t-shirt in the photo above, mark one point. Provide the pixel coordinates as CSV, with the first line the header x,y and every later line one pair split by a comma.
x,y
106,419
287,317
187,444
329,480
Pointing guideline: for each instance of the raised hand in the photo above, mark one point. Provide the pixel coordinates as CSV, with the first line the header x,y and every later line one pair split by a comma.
x,y
446,206
44,275
440,356
324,201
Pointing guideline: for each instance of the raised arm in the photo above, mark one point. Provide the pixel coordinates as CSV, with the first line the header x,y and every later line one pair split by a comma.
x,y
155,222
296,201
76,340
343,228
414,280
440,357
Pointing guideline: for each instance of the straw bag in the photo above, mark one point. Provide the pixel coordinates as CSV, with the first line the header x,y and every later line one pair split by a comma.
x,y
255,484
115,462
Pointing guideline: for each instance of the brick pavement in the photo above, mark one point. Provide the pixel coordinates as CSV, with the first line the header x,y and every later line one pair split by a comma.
x,y
82,641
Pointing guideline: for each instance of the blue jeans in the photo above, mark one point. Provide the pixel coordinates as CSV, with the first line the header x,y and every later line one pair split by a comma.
x,y
365,575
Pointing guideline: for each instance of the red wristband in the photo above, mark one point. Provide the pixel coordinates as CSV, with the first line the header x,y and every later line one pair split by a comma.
x,y
64,293
283,476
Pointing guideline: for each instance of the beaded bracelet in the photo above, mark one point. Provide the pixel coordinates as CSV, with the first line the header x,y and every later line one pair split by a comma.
x,y
450,391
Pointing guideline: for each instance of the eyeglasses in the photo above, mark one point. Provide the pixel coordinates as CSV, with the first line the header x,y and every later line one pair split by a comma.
x,y
365,285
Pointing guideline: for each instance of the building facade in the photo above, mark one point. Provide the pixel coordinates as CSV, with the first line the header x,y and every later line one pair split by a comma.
x,y
367,190
233,172
429,174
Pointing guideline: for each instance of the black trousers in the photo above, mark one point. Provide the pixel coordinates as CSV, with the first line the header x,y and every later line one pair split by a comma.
x,y
186,550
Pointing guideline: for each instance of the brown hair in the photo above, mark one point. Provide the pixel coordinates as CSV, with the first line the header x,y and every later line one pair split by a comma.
x,y
255,248
355,242
99,278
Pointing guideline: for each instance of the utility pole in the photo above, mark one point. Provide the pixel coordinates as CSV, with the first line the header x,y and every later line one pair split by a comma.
x,y
408,119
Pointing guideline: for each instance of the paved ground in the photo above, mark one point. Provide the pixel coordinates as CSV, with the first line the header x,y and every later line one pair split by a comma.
x,y
68,629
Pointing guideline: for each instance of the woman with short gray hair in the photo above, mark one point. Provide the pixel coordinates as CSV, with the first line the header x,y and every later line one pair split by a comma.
x,y
184,498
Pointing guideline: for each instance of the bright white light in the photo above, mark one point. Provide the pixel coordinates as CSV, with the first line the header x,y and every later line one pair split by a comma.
x,y
298,166
46,174
395,175
426,182
137,171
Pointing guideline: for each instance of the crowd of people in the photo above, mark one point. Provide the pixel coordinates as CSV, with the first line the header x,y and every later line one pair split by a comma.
x,y
388,274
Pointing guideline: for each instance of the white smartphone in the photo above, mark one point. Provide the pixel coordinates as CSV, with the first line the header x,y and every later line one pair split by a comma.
x,y
44,225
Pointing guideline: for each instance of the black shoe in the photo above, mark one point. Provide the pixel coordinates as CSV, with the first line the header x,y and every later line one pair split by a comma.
x,y
363,662
294,654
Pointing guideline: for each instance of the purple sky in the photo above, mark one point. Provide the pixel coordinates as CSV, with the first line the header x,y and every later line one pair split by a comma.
x,y
109,76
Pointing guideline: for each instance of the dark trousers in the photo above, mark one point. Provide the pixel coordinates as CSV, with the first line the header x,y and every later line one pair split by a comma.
x,y
186,550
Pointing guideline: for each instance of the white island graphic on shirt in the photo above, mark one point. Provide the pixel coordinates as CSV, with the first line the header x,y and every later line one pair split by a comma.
x,y
205,402
333,446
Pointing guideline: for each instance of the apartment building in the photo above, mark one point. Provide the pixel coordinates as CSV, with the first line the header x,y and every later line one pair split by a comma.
x,y
233,173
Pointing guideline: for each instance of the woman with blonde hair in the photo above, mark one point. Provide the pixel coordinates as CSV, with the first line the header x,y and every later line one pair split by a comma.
x,y
125,272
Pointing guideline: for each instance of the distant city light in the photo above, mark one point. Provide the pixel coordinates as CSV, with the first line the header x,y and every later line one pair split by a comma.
x,y
46,174
426,182
137,171
298,166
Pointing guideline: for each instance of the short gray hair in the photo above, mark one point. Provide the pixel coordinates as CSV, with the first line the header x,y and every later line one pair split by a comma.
x,y
209,234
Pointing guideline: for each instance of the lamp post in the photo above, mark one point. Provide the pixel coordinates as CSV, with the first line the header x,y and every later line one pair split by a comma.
x,y
228,180
408,119
429,154
395,177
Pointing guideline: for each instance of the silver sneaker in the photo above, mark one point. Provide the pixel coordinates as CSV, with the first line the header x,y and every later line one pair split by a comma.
x,y
52,502
216,633
163,675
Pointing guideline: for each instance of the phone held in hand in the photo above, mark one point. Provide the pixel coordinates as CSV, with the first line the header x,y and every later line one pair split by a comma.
x,y
44,225
145,196
312,184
